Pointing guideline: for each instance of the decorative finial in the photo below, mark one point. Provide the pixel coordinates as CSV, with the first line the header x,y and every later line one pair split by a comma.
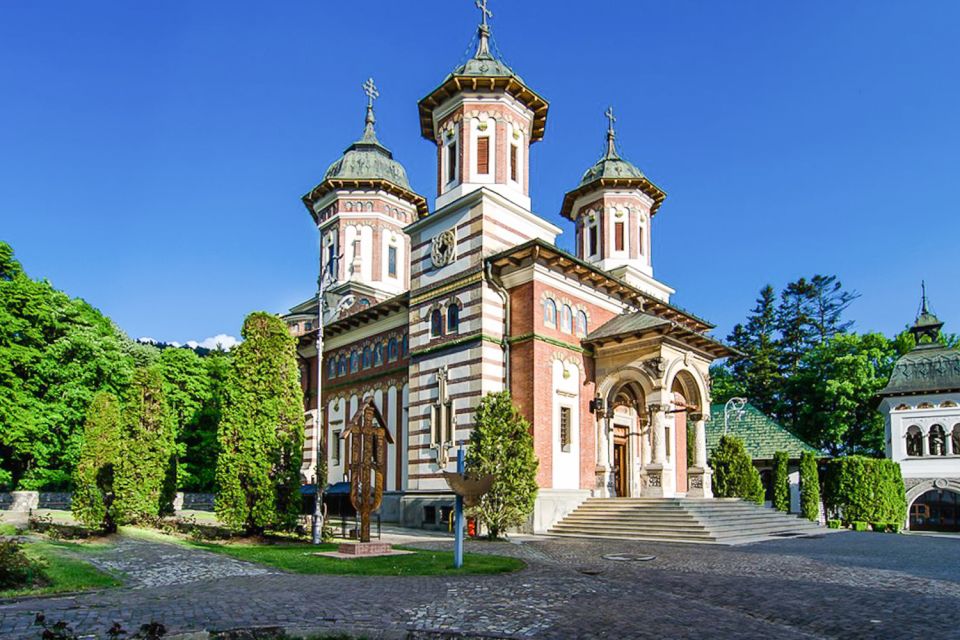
x,y
483,32
927,325
923,303
370,89
611,134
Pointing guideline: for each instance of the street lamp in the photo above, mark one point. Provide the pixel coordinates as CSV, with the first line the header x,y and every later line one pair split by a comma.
x,y
733,404
327,279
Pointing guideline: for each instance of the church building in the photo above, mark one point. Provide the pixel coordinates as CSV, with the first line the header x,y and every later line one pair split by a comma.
x,y
429,308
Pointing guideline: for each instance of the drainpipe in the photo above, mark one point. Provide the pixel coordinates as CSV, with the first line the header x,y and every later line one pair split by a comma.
x,y
497,285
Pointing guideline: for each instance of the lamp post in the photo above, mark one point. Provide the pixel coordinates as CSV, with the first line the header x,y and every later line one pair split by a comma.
x,y
733,404
327,278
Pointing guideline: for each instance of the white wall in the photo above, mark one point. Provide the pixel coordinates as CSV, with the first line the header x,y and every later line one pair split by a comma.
x,y
566,393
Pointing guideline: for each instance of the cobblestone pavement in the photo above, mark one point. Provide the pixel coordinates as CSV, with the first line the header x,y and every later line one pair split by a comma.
x,y
851,585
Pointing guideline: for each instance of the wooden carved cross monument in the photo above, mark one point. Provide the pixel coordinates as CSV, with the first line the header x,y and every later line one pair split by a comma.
x,y
367,438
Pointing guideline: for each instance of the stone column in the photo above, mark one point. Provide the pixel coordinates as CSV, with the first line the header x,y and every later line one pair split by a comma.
x,y
699,475
925,441
652,475
948,443
603,457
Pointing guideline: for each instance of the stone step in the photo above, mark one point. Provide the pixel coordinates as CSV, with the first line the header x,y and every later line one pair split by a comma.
x,y
702,520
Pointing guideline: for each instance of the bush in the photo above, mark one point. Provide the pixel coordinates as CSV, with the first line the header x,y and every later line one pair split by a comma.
x,y
809,487
859,525
865,489
833,524
734,475
17,570
501,445
93,494
781,481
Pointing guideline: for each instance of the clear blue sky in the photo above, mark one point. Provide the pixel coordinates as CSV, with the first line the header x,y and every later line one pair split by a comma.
x,y
153,155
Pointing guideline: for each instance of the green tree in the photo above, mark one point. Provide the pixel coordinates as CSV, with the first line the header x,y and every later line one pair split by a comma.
x,y
734,475
840,379
781,481
857,488
809,486
501,444
724,384
93,479
143,483
261,430
757,372
198,439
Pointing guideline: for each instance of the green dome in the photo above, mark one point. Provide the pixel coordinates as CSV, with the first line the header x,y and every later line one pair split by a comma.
x,y
367,159
611,167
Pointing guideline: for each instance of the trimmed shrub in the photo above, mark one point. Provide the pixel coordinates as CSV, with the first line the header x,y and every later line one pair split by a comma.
x,y
859,525
93,492
809,487
865,489
781,481
17,569
734,475
833,524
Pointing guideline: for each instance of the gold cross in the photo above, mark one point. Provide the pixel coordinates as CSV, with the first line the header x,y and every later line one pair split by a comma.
x,y
486,13
371,90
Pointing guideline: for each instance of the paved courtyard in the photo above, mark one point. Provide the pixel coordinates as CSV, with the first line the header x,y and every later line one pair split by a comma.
x,y
850,585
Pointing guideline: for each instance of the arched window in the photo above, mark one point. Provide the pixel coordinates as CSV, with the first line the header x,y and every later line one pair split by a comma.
x,y
938,441
331,368
582,323
453,318
367,357
392,350
354,361
948,404
914,441
550,312
436,324
406,345
902,407
924,405
955,440
341,366
566,319
378,354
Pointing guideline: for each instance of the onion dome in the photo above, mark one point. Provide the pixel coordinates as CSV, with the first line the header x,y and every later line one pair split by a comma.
x,y
612,171
483,72
929,367
367,164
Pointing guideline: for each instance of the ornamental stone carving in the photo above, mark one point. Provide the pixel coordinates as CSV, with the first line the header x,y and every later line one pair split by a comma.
x,y
443,249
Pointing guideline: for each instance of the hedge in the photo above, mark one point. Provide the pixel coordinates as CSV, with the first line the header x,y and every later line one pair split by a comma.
x,y
809,487
734,475
860,489
781,481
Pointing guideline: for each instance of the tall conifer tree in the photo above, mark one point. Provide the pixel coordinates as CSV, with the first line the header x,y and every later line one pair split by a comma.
x,y
143,483
261,430
93,479
758,370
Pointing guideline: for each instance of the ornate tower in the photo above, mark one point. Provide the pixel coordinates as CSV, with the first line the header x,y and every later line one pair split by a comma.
x,y
483,119
361,208
612,209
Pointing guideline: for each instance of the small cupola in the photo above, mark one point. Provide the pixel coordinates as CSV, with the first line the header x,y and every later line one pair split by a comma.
x,y
483,119
612,209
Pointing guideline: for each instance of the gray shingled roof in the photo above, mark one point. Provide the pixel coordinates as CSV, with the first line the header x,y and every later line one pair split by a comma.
x,y
928,368
626,323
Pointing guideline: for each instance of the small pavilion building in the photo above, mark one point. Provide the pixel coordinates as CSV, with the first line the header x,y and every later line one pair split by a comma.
x,y
921,406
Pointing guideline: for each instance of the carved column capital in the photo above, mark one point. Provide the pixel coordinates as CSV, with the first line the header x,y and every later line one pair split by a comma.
x,y
696,417
657,408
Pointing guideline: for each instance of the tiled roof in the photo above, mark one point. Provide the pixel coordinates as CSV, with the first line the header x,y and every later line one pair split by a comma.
x,y
929,368
626,323
760,434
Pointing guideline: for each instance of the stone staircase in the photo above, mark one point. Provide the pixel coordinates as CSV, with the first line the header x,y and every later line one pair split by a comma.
x,y
699,520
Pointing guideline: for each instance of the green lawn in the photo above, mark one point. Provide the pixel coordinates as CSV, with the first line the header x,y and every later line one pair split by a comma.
x,y
66,572
299,558
7,529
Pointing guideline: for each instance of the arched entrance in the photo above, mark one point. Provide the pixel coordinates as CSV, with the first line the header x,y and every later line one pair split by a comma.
x,y
629,435
686,399
936,510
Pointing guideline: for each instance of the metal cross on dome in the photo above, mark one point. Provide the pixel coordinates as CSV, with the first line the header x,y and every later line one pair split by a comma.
x,y
486,13
610,117
371,90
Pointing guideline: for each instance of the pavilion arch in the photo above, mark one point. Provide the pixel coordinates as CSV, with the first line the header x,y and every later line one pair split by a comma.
x,y
613,383
914,492
690,385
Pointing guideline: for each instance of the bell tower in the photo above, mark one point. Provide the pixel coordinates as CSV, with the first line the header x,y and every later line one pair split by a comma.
x,y
361,208
612,210
483,119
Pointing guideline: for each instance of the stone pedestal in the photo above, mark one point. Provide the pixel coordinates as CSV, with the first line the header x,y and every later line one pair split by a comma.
x,y
604,482
365,548
24,501
652,479
699,482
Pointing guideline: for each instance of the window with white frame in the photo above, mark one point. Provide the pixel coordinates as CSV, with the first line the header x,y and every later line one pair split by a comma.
x,y
566,436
